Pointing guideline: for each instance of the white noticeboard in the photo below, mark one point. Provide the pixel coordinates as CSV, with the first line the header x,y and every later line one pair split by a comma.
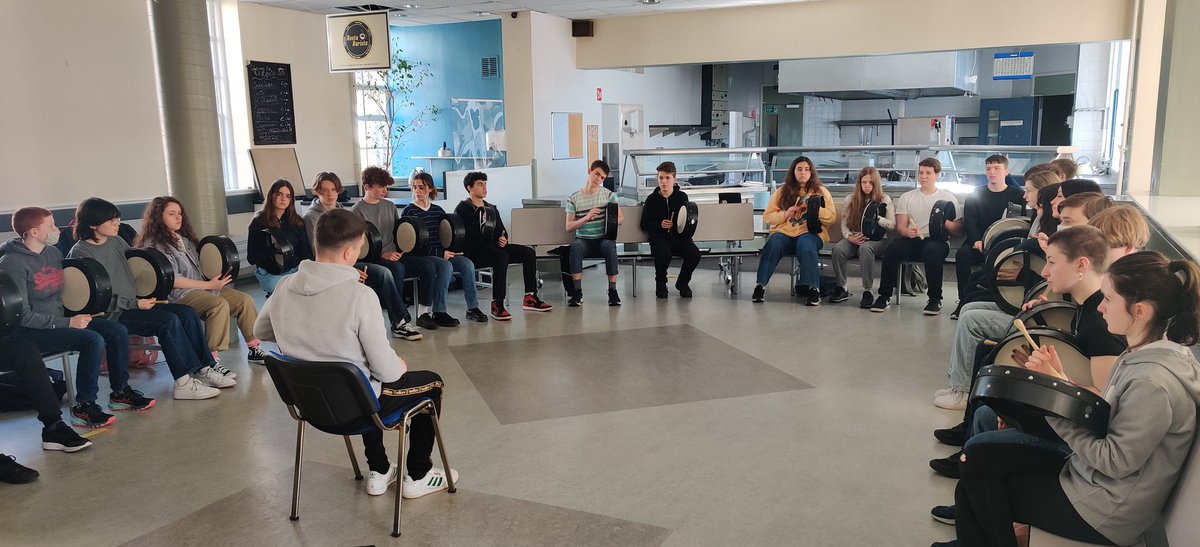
x,y
358,41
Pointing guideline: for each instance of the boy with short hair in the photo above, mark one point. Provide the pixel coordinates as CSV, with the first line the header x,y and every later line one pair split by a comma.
x,y
658,221
912,224
585,217
985,205
496,252
300,319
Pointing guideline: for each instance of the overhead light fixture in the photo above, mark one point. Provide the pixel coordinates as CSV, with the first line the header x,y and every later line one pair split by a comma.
x,y
410,6
649,2
483,13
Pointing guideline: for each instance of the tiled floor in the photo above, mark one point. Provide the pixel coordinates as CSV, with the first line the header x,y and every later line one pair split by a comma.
x,y
692,424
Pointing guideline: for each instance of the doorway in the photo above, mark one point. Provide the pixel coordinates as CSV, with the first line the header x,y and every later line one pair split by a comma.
x,y
1055,129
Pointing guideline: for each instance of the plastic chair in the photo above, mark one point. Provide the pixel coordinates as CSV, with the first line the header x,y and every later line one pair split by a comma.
x,y
337,399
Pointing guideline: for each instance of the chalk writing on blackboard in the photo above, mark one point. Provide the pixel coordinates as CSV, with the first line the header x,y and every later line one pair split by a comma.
x,y
272,113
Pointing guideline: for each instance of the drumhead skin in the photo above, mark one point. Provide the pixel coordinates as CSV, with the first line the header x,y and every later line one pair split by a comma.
x,y
11,303
1005,228
86,287
411,236
452,233
153,276
1076,365
219,257
687,219
1056,315
372,245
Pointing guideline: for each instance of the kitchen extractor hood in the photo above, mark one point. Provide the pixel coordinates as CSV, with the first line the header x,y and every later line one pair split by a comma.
x,y
907,76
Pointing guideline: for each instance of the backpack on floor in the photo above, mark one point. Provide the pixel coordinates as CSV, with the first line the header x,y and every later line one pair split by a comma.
x,y
11,399
912,279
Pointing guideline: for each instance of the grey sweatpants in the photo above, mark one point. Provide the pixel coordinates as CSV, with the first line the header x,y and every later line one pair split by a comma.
x,y
843,251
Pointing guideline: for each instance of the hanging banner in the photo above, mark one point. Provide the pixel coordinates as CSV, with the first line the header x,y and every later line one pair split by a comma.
x,y
358,41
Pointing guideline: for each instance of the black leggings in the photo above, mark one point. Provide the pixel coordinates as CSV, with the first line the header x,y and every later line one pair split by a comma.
x,y
1003,483
499,258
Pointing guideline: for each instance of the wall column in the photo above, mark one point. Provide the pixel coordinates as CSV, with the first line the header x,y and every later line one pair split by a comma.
x,y
183,69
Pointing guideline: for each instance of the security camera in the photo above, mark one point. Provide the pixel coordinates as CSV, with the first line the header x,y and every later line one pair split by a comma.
x,y
513,15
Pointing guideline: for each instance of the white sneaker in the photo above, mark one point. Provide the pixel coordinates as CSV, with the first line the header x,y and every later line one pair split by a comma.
x,y
955,400
433,481
212,378
943,391
194,390
377,483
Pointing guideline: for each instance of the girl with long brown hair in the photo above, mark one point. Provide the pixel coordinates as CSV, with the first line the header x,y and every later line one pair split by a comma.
x,y
165,226
278,213
786,213
868,189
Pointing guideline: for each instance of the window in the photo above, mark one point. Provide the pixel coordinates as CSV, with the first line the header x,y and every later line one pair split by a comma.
x,y
371,113
229,164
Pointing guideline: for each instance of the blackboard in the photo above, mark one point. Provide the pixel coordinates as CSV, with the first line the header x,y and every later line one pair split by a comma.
x,y
272,114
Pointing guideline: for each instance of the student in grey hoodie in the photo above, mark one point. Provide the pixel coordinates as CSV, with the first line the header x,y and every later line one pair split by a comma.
x,y
1110,489
302,321
36,265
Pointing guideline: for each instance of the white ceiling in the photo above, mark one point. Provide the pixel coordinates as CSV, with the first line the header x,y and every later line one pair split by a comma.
x,y
425,12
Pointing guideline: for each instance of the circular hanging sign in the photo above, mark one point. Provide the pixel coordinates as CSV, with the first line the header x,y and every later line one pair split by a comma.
x,y
357,39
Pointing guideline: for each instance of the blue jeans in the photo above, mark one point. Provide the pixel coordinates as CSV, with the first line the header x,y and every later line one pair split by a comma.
x,y
90,343
381,281
986,430
584,248
421,266
179,331
466,270
804,247
268,280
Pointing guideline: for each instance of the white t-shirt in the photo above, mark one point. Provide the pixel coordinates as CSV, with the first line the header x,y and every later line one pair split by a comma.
x,y
917,206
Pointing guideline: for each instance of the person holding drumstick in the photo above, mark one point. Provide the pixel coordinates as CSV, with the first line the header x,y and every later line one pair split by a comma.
x,y
165,227
785,213
446,262
35,264
327,185
658,221
1110,490
584,211
178,328
496,251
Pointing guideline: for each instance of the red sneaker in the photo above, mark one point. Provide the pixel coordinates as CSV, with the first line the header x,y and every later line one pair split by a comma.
x,y
499,313
532,303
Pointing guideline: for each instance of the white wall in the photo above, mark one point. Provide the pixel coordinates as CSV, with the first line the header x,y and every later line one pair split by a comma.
x,y
668,95
79,112
324,102
1091,96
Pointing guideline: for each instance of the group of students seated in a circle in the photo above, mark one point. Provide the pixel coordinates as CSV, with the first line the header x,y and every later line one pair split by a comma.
x,y
1137,313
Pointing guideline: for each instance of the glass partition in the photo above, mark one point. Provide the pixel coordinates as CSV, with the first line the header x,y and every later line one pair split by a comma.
x,y
700,171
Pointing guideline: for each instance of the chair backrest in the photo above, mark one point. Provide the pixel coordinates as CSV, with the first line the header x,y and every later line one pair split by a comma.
x,y
725,222
325,394
1180,514
540,226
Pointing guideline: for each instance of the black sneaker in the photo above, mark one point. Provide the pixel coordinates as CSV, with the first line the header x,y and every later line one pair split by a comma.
x,y
61,437
759,293
475,315
684,290
934,307
953,436
15,473
840,295
881,304
613,299
426,322
866,301
576,300
129,399
948,466
404,330
660,290
443,319
943,514
256,355
90,415
814,297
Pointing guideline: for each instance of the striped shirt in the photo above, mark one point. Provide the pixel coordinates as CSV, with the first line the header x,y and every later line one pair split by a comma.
x,y
580,203
433,221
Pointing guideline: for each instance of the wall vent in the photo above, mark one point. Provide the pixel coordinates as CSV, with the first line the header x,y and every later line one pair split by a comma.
x,y
489,67
367,7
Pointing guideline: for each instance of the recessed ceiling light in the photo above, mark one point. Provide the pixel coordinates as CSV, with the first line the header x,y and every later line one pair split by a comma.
x,y
649,2
410,6
483,13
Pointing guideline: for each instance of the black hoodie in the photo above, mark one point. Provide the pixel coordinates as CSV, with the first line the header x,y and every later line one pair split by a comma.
x,y
657,209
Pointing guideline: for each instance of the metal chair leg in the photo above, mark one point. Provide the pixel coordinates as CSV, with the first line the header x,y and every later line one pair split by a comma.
x,y
296,477
400,470
353,461
437,433
66,367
